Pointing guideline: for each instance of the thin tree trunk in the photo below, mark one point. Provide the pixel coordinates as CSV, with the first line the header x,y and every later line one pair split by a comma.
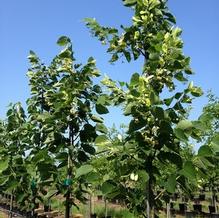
x,y
67,205
168,210
69,177
150,192
34,207
68,194
148,209
11,206
214,198
105,205
91,205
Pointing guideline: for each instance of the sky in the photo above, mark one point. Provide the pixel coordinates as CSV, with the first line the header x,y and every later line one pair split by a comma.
x,y
36,25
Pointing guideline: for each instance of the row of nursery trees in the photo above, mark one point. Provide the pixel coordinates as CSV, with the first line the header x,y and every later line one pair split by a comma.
x,y
60,145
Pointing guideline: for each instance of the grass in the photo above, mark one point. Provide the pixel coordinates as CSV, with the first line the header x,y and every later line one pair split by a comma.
x,y
3,215
116,211
99,209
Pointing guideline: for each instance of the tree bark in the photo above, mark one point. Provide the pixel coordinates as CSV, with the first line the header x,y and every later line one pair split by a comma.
x,y
105,205
11,206
69,172
67,205
150,191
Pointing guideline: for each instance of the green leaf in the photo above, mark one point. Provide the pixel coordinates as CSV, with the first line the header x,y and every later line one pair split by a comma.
x,y
97,89
158,112
171,157
134,79
154,98
152,4
62,156
168,101
129,3
143,176
12,184
179,133
200,124
82,156
20,197
215,143
88,133
170,17
89,20
88,148
114,58
32,56
101,109
63,40
128,109
40,156
135,93
93,177
91,60
216,139
103,99
127,55
107,187
178,107
188,71
205,151
203,163
184,124
136,125
49,139
102,140
170,185
165,127
96,119
65,53
189,170
83,170
196,91
154,56
101,128
3,164
186,99
178,95
178,65
46,174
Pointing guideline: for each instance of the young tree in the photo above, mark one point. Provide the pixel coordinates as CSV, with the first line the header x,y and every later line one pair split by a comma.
x,y
158,122
208,152
62,112
15,177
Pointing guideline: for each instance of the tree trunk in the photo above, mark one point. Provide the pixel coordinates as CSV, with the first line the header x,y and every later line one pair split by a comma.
x,y
214,198
69,172
68,194
67,205
150,191
105,206
91,205
11,206
168,210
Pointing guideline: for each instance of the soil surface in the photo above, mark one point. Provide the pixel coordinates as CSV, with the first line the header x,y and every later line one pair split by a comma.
x,y
4,214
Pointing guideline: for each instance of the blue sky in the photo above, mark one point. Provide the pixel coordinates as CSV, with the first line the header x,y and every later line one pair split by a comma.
x,y
36,25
